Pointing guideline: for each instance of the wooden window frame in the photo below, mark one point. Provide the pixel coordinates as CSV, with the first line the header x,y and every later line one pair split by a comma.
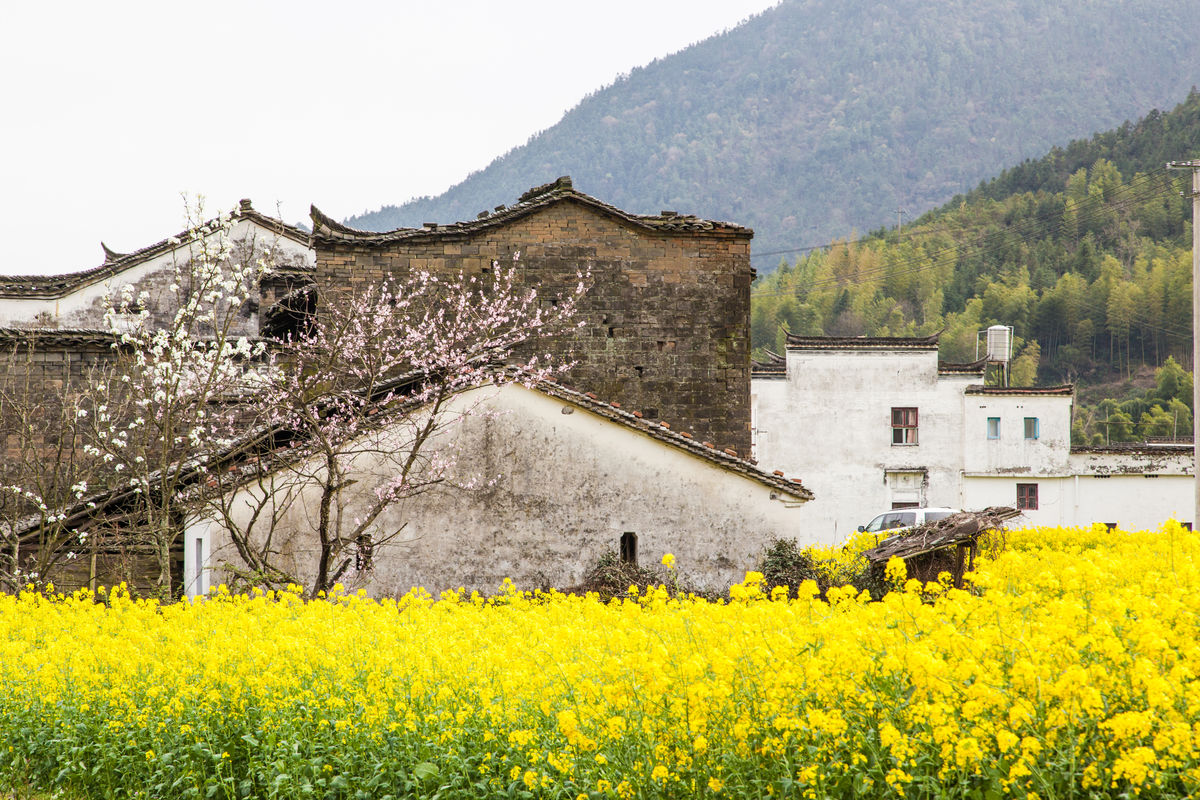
x,y
1027,496
905,420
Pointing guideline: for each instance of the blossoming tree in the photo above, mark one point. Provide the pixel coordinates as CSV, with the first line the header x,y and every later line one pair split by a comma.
x,y
166,402
371,379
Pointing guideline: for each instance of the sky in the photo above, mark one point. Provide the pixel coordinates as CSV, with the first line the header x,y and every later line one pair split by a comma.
x,y
112,112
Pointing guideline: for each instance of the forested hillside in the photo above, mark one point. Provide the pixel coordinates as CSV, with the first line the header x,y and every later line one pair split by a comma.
x,y
1085,252
820,117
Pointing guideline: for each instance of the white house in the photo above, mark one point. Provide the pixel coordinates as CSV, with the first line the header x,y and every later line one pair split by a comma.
x,y
876,423
76,300
569,478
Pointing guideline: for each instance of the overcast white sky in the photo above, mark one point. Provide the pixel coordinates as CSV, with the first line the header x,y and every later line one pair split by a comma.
x,y
110,110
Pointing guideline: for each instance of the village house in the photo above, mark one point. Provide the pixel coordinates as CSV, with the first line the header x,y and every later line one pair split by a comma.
x,y
878,423
77,300
53,329
665,331
546,481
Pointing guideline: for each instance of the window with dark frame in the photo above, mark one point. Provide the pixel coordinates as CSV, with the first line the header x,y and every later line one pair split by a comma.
x,y
904,426
1027,496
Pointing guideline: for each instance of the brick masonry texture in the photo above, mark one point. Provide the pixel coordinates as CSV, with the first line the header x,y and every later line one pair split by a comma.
x,y
666,319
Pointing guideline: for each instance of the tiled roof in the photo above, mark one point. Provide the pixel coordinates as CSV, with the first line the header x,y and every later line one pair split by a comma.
x,y
270,436
1064,390
1136,448
725,459
62,337
52,286
326,229
773,366
795,342
973,368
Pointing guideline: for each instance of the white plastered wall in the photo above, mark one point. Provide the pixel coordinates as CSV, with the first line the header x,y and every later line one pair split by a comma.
x,y
829,423
568,484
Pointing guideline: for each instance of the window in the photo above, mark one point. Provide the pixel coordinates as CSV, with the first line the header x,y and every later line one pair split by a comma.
x,y
904,426
629,547
993,427
1031,427
1027,496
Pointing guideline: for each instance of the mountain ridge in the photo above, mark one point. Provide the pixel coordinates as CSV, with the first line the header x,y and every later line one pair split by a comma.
x,y
819,117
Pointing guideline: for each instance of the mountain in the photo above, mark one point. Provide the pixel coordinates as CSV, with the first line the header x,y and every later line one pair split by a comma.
x,y
1085,252
818,117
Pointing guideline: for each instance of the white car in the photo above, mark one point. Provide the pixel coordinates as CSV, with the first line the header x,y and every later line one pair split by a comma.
x,y
900,518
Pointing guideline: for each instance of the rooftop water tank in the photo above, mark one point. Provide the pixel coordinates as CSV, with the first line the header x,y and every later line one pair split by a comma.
x,y
999,343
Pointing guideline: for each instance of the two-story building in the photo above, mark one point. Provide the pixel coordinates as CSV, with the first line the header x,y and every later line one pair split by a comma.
x,y
876,423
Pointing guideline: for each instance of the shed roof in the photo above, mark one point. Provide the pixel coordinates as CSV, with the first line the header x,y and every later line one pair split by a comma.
x,y
965,526
328,230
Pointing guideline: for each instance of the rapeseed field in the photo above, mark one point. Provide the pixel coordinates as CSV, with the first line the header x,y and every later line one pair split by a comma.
x,y
1067,668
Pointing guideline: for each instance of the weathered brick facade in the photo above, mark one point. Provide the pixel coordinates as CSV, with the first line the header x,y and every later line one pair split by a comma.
x,y
667,316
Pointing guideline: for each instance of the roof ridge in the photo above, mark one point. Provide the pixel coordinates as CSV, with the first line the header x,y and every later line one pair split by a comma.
x,y
877,342
60,284
1059,389
538,197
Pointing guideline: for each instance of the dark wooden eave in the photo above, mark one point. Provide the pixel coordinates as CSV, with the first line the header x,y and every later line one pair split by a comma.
x,y
1062,390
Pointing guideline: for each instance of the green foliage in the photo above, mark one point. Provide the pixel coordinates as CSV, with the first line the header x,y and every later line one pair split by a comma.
x,y
1089,264
785,563
1163,411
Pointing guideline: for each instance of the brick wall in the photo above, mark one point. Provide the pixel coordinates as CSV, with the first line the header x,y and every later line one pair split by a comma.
x,y
40,370
667,317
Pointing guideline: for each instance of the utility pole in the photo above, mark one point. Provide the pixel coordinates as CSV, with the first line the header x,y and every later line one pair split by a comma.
x,y
1194,166
899,213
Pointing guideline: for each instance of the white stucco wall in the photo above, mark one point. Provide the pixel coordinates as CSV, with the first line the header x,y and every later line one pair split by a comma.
x,y
569,484
1012,452
829,423
1134,502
